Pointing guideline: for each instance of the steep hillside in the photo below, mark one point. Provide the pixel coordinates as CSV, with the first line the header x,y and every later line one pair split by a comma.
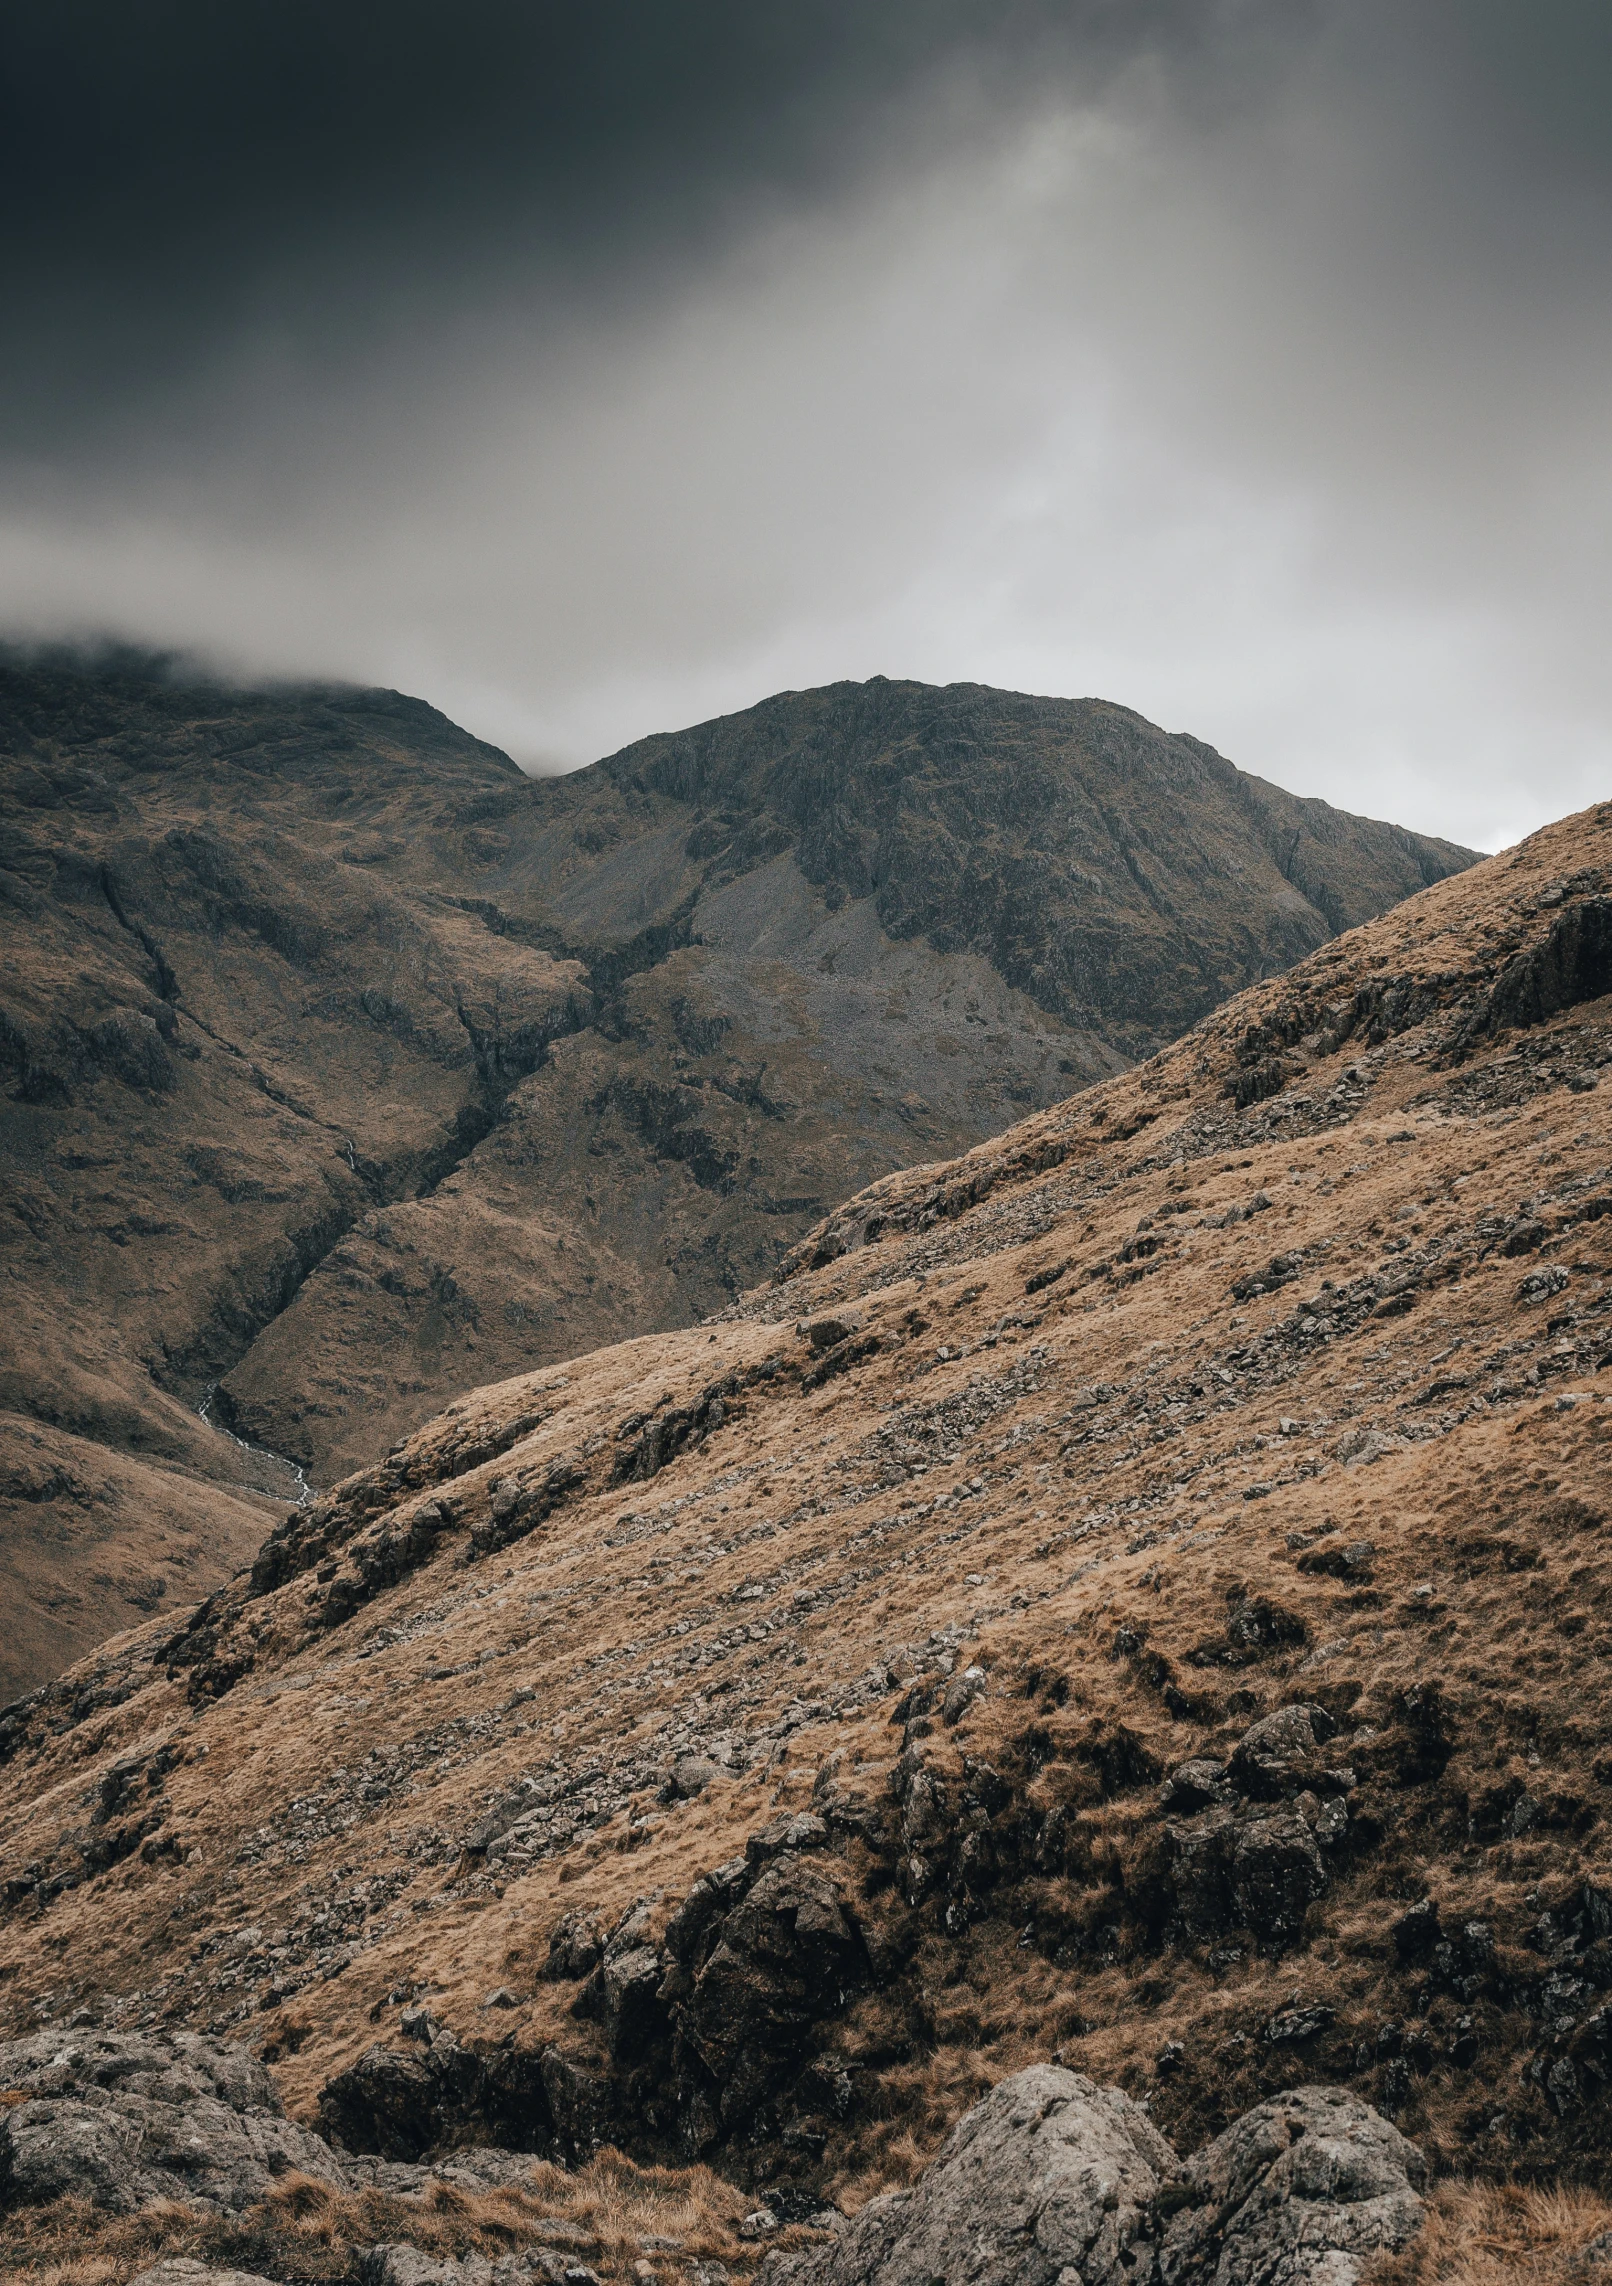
x,y
1137,1595
346,1067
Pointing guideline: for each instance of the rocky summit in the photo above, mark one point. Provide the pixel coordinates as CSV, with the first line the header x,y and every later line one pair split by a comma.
x,y
1080,1702
345,1067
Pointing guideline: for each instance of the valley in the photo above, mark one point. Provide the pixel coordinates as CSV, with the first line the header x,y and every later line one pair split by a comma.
x,y
347,1068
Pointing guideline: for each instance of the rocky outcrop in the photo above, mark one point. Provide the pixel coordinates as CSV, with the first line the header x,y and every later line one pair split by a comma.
x,y
122,2120
402,2103
702,2033
1053,2178
1300,2191
748,1987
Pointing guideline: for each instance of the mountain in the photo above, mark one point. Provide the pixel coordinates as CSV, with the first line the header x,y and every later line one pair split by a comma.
x,y
347,1067
1136,1596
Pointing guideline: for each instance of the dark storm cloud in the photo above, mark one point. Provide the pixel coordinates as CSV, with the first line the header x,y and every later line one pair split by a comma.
x,y
591,367
172,172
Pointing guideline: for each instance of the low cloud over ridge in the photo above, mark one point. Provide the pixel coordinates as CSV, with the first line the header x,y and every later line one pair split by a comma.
x,y
589,370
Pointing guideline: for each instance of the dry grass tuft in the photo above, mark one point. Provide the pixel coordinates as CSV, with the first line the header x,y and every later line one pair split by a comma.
x,y
305,2232
1503,2234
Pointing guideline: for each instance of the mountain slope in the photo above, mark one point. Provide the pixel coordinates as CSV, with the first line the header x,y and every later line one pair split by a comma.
x,y
347,1067
1138,1593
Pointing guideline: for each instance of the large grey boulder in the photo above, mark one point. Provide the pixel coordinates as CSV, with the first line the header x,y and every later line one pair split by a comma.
x,y
1298,2192
1050,2178
1054,2179
123,2119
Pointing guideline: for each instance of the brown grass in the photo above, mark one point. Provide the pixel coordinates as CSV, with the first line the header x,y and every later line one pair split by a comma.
x,y
306,2232
1501,2234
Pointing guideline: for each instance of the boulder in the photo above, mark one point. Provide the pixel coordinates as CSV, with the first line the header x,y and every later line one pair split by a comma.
x,y
1230,1869
120,2120
1277,1872
1054,2181
1050,2178
692,1773
386,2102
1273,1756
783,1958
1300,2191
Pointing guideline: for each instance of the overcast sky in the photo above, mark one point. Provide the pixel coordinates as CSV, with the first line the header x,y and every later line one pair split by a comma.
x,y
589,369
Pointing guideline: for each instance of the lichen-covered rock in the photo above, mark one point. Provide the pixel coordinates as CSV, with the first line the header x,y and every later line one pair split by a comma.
x,y
1050,2178
1298,2192
122,2119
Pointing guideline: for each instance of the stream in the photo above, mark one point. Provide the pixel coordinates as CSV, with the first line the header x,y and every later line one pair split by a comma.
x,y
286,1480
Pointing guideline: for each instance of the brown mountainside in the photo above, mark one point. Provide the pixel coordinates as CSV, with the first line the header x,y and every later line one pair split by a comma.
x,y
346,1067
1139,1594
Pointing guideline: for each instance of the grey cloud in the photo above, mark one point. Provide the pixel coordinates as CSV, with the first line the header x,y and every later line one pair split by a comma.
x,y
593,368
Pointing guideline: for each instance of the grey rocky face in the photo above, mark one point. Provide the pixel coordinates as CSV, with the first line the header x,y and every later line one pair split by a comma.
x,y
1300,2191
123,2120
1053,2178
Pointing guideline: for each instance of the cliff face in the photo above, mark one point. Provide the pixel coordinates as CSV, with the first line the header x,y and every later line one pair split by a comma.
x,y
1123,879
345,1067
1137,1595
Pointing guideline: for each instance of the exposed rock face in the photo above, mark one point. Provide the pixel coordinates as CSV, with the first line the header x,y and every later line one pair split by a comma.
x,y
700,2029
122,2121
758,1981
1054,2178
345,1067
1301,2191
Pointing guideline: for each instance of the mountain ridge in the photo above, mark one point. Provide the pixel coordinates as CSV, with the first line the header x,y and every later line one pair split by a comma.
x,y
347,1067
